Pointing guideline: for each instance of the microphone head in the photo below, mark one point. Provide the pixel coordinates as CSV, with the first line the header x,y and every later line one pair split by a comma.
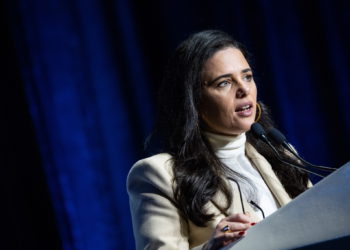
x,y
257,130
276,135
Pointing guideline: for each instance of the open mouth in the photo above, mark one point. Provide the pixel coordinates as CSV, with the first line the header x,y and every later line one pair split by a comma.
x,y
244,108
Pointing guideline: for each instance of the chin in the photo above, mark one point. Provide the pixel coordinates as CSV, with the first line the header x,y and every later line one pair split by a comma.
x,y
245,127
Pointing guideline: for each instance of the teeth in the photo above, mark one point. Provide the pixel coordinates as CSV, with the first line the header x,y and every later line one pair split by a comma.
x,y
245,107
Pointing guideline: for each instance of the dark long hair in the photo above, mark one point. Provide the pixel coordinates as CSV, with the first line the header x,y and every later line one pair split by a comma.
x,y
198,173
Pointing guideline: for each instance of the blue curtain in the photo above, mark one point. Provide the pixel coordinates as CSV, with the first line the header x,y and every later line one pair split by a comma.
x,y
91,70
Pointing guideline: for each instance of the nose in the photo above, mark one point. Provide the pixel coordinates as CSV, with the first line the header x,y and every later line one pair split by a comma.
x,y
243,90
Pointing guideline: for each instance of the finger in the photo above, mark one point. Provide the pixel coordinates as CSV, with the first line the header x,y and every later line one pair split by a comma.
x,y
233,235
237,226
233,226
223,239
240,217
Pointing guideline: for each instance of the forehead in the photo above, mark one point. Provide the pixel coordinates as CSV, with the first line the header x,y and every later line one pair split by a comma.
x,y
225,61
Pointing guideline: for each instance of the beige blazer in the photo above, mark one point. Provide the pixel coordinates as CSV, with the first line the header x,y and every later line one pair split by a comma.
x,y
157,223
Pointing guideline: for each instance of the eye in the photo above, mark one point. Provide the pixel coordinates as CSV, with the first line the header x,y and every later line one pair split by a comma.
x,y
248,77
223,84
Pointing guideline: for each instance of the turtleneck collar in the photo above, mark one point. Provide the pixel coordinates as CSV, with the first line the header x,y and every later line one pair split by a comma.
x,y
227,146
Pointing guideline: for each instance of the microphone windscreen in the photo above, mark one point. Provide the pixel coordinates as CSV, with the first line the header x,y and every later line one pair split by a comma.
x,y
257,130
276,135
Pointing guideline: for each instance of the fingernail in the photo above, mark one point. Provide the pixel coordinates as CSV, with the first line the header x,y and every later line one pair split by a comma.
x,y
241,233
252,224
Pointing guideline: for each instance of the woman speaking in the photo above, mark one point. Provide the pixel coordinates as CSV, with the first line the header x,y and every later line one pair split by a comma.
x,y
212,180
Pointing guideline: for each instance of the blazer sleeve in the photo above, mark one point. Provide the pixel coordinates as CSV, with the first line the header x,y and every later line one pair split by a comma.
x,y
157,223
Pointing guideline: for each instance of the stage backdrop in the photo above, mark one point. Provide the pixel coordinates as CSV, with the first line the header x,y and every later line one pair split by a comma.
x,y
91,69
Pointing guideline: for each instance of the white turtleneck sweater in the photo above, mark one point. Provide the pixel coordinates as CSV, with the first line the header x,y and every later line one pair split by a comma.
x,y
231,151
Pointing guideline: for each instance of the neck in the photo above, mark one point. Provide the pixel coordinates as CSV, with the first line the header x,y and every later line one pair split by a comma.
x,y
226,146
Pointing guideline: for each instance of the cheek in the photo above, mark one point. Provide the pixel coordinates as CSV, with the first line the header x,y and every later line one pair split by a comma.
x,y
214,111
255,91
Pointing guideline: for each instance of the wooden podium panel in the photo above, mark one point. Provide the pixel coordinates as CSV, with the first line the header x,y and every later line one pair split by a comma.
x,y
317,217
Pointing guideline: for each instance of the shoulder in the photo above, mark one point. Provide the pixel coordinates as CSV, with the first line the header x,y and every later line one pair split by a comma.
x,y
155,171
160,164
153,161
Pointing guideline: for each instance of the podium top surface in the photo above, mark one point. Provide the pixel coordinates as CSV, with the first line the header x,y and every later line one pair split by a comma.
x,y
320,214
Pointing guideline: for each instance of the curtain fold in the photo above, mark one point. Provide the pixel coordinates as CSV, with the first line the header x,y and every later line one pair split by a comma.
x,y
91,70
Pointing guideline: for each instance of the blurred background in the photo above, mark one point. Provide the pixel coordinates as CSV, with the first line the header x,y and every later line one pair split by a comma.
x,y
78,86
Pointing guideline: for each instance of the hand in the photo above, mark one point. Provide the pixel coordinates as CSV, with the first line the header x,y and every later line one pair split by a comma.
x,y
229,230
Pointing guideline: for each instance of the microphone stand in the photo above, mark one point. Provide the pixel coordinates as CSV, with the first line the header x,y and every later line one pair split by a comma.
x,y
280,139
259,132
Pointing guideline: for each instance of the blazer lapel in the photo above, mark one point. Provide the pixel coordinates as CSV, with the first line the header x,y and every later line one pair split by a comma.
x,y
237,205
268,175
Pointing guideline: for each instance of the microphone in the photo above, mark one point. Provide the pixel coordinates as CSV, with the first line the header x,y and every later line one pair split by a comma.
x,y
259,132
280,139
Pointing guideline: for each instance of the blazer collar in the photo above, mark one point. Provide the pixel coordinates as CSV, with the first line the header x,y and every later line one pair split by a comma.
x,y
269,176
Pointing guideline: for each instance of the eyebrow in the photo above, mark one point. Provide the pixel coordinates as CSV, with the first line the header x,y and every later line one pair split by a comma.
x,y
228,75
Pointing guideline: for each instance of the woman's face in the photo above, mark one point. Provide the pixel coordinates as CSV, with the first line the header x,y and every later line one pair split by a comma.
x,y
228,103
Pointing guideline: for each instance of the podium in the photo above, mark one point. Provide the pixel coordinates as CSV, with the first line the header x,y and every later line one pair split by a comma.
x,y
319,218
